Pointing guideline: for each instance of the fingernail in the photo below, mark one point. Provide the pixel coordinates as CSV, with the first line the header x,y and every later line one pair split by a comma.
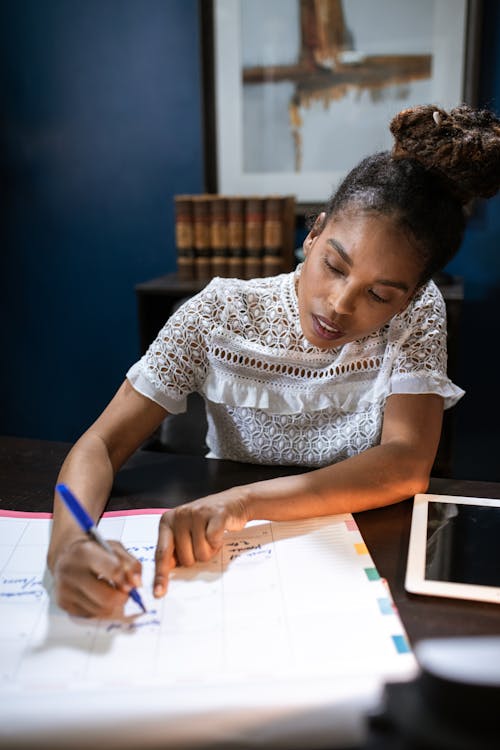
x,y
137,580
158,589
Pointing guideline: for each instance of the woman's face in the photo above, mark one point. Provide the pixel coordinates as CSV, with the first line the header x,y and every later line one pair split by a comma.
x,y
359,271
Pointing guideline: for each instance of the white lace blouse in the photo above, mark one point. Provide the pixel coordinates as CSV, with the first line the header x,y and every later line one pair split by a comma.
x,y
271,397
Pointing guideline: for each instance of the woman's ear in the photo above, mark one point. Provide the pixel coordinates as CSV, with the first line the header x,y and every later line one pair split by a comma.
x,y
316,230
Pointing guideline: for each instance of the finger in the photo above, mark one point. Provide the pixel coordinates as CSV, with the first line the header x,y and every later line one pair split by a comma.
x,y
181,522
128,571
111,569
164,556
90,597
111,601
108,581
221,522
81,581
202,548
215,531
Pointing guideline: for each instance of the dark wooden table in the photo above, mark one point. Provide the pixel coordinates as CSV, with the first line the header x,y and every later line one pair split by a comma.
x,y
28,471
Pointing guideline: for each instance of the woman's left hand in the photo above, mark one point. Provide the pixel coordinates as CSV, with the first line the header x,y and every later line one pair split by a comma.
x,y
194,532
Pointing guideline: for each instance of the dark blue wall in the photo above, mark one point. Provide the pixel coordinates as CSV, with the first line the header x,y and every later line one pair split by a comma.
x,y
101,126
479,258
477,415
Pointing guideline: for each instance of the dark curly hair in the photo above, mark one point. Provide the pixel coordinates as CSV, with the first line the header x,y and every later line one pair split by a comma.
x,y
439,163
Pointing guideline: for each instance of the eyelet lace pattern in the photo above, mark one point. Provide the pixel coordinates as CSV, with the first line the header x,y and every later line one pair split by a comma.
x,y
271,396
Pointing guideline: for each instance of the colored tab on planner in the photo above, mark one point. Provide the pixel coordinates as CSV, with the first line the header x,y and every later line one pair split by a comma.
x,y
401,644
351,525
372,574
361,548
385,605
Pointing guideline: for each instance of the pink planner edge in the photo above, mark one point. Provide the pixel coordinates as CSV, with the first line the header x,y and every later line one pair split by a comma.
x,y
106,514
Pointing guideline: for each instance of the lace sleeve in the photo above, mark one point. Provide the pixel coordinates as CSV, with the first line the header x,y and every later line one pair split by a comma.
x,y
175,364
421,364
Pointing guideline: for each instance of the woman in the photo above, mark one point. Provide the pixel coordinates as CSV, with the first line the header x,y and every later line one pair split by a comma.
x,y
339,366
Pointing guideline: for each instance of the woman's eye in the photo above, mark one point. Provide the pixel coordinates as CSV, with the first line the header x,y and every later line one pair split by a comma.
x,y
333,268
378,298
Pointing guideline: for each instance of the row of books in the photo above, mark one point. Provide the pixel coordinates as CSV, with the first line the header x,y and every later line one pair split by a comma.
x,y
234,236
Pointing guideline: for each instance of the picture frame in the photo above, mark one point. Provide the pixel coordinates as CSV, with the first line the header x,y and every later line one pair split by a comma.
x,y
293,116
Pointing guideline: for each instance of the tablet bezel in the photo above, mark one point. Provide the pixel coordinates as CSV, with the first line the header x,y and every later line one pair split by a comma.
x,y
415,581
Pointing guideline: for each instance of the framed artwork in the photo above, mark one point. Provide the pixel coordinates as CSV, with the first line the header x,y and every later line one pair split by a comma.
x,y
298,91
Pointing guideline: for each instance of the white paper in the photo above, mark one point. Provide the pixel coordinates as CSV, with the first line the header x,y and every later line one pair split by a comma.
x,y
289,622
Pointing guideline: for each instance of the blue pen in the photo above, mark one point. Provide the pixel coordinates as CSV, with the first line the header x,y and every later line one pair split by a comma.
x,y
87,524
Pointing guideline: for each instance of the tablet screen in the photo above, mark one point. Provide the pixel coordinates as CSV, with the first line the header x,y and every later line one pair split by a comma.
x,y
463,544
454,547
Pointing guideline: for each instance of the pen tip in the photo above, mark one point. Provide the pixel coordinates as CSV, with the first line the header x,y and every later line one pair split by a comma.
x,y
137,599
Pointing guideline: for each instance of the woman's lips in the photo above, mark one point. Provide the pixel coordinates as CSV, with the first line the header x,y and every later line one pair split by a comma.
x,y
325,329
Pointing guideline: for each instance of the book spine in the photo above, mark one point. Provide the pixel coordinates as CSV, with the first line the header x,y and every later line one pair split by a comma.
x,y
288,223
272,261
219,235
235,236
279,235
184,236
202,236
254,225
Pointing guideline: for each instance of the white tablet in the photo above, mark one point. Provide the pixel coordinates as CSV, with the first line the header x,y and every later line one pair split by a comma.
x,y
454,548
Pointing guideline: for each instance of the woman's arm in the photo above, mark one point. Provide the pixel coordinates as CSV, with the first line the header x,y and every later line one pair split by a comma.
x,y
395,469
79,566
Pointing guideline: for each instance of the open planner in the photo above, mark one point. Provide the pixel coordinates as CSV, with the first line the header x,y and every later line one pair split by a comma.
x,y
285,638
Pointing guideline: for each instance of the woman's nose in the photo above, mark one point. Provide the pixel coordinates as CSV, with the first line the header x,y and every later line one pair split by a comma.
x,y
343,299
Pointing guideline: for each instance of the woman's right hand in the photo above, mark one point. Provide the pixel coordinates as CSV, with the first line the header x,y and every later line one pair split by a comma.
x,y
89,582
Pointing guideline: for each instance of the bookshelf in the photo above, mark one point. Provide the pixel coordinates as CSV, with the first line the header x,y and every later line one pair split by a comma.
x,y
234,235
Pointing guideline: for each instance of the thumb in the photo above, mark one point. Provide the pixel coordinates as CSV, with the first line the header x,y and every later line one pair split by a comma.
x,y
164,556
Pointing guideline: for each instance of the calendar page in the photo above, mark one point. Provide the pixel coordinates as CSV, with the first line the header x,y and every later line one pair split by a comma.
x,y
287,615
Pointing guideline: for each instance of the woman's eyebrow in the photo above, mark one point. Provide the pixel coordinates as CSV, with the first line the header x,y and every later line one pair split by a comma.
x,y
340,249
336,245
396,284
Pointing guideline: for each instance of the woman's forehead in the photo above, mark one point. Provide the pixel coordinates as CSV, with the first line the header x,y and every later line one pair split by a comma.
x,y
376,241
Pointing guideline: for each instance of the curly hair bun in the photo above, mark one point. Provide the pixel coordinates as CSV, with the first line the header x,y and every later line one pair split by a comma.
x,y
462,145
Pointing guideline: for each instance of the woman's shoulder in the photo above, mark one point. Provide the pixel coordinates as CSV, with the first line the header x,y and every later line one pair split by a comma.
x,y
428,298
429,292
426,314
235,291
